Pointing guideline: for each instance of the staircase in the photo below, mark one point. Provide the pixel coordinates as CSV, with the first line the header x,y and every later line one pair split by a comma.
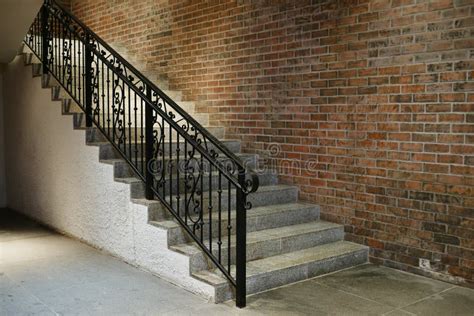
x,y
286,241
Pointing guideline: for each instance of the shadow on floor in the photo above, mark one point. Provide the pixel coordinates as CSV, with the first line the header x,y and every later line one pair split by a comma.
x,y
42,272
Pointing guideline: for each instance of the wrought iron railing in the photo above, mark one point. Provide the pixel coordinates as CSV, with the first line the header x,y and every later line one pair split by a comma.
x,y
194,175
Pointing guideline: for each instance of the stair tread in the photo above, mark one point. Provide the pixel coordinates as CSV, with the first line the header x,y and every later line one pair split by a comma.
x,y
133,179
284,261
265,235
254,212
99,143
263,188
119,160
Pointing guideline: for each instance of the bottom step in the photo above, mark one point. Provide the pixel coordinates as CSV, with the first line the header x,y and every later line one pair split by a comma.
x,y
271,272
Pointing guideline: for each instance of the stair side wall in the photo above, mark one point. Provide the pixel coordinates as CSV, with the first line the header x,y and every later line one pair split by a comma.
x,y
55,178
3,193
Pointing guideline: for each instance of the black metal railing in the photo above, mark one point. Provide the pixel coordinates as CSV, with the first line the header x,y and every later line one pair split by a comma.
x,y
195,176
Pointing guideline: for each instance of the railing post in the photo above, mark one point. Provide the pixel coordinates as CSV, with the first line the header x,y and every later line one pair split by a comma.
x,y
148,146
88,80
241,243
44,36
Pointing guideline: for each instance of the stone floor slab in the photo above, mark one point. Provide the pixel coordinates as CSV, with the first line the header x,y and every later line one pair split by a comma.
x,y
383,285
44,273
455,301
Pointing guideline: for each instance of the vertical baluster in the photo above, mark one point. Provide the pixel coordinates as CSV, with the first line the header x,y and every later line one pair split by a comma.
x,y
112,95
142,137
55,57
135,109
88,83
178,182
163,157
170,164
79,72
109,102
229,223
219,214
102,82
201,213
210,206
186,205
149,146
129,123
74,66
61,61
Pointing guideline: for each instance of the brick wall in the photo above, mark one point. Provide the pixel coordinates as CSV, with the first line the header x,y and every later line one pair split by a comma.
x,y
372,101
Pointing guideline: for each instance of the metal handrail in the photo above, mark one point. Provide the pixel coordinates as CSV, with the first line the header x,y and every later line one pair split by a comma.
x,y
53,38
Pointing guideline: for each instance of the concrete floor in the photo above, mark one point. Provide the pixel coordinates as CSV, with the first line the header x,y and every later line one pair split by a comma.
x,y
43,273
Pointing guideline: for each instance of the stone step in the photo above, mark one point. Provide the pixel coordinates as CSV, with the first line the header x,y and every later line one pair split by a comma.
x,y
175,163
59,93
107,118
93,134
271,272
30,59
137,187
265,243
265,195
108,151
258,218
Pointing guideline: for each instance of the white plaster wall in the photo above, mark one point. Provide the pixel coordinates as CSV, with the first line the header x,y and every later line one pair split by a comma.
x,y
3,198
53,176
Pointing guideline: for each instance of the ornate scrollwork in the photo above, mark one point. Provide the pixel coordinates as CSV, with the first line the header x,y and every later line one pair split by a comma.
x,y
193,174
118,110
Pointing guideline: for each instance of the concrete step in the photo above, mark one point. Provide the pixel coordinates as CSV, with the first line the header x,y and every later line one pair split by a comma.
x,y
107,118
108,151
137,187
59,93
266,195
272,272
258,218
107,96
265,243
175,163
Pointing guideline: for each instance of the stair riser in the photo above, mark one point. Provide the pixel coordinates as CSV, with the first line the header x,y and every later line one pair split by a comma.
x,y
269,248
31,59
107,151
295,273
58,93
138,191
80,122
259,198
95,135
171,166
178,236
256,223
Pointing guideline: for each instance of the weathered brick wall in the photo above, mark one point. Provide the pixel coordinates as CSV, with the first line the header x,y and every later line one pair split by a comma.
x,y
371,100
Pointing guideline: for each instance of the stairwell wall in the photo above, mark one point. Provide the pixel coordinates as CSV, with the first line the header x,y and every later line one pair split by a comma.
x,y
3,195
366,105
55,178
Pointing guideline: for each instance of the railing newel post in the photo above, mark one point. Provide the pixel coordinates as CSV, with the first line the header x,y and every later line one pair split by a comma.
x,y
148,146
88,79
241,242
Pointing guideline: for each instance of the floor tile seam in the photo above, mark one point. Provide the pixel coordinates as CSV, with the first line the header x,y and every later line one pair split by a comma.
x,y
427,297
352,294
